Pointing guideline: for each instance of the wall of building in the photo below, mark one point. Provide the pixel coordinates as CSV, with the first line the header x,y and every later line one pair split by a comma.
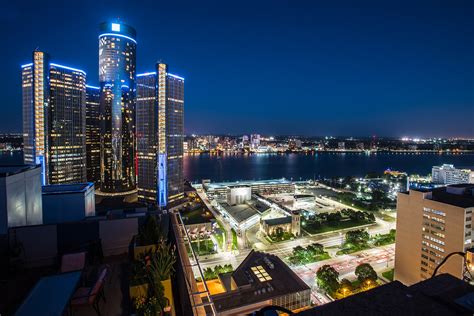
x,y
238,195
114,235
415,220
20,199
68,207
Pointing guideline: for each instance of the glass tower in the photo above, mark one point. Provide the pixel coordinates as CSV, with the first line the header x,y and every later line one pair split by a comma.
x,y
160,133
117,60
54,119
67,125
93,134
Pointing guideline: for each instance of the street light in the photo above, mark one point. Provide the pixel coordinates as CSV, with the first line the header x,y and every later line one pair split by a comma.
x,y
344,291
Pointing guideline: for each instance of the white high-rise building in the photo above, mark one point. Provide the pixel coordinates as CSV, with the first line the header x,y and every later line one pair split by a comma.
x,y
447,174
254,141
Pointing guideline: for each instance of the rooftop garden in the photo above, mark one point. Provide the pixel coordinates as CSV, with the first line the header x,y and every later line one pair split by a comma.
x,y
196,213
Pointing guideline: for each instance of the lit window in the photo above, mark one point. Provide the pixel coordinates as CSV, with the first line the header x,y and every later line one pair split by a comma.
x,y
261,274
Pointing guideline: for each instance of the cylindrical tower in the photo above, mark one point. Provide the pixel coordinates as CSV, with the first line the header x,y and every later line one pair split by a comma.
x,y
117,64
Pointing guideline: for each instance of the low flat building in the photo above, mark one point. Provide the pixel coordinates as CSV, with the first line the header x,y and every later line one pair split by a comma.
x,y
261,280
220,190
198,221
430,225
243,216
20,196
68,202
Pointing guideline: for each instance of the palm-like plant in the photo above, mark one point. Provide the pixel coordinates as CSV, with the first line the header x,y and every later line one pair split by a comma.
x,y
161,261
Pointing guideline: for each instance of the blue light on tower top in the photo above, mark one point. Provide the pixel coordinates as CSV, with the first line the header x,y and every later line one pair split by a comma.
x,y
115,27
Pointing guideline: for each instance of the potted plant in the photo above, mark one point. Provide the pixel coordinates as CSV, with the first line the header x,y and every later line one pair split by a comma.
x,y
151,278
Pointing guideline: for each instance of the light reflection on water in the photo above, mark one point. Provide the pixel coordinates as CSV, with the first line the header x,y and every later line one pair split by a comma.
x,y
232,167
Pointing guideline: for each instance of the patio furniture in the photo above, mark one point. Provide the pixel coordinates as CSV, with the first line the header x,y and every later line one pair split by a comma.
x,y
51,295
90,296
73,262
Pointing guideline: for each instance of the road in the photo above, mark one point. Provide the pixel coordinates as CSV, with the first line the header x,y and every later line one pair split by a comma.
x,y
380,259
218,216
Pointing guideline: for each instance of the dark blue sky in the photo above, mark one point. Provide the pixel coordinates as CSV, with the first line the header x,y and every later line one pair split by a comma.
x,y
390,68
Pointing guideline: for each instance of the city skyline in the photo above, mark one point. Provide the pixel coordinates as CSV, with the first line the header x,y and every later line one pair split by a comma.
x,y
425,75
127,195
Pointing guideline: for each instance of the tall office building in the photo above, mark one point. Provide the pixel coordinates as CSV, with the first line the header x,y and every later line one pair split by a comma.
x,y
117,60
160,135
93,134
54,119
447,174
430,226
67,125
35,99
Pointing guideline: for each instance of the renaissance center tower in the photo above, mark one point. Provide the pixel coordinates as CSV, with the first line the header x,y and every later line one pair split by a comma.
x,y
117,72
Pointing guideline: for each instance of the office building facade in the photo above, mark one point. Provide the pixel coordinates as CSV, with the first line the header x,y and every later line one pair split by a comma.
x,y
54,119
160,135
430,226
35,99
67,125
93,134
447,174
117,63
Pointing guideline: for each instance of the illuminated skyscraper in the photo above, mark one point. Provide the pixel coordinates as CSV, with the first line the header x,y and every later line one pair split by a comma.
x,y
54,119
160,134
67,125
93,134
117,56
35,88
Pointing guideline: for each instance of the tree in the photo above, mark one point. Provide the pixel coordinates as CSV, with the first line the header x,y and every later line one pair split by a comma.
x,y
357,237
327,278
315,249
334,217
370,217
365,272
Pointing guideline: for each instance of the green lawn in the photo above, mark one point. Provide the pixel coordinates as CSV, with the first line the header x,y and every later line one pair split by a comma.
x,y
234,240
203,247
220,239
388,274
384,239
387,218
282,237
328,227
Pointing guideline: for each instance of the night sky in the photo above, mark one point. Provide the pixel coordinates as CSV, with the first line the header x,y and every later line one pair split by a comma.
x,y
387,68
